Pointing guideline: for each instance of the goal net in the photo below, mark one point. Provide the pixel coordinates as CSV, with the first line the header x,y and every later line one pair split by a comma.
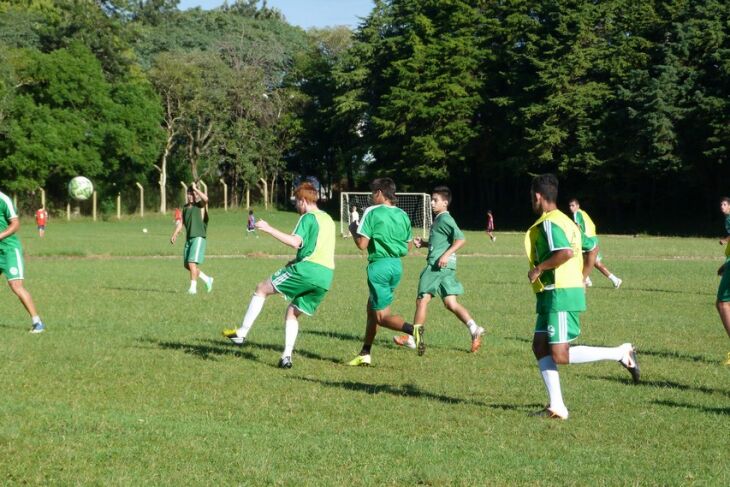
x,y
416,205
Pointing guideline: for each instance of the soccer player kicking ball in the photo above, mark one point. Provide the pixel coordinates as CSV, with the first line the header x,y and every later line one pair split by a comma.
x,y
438,278
593,257
195,221
305,280
723,291
553,246
11,260
385,231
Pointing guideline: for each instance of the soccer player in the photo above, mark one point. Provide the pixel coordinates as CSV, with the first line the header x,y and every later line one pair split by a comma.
x,y
304,281
490,226
553,246
723,291
385,231
251,224
438,278
41,217
195,220
11,260
177,218
593,257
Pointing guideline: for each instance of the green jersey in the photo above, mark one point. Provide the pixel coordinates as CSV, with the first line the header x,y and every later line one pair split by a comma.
x,y
444,232
727,229
195,224
389,230
316,257
7,213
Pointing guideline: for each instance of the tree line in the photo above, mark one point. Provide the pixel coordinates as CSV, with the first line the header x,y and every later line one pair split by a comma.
x,y
627,101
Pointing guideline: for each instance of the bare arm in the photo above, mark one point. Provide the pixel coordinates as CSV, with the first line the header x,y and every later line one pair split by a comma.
x,y
556,259
12,228
178,228
294,241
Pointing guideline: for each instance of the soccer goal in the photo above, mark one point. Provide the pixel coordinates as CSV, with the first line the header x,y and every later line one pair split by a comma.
x,y
416,205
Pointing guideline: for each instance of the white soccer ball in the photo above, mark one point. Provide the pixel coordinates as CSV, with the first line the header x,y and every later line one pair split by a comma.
x,y
80,188
144,230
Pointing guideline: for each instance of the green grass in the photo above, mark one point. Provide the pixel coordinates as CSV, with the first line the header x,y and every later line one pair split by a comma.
x,y
133,385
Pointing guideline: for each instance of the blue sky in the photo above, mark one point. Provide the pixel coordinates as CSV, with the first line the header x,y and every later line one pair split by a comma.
x,y
305,13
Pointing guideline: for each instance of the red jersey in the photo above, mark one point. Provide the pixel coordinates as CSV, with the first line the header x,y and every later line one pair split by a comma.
x,y
178,216
41,216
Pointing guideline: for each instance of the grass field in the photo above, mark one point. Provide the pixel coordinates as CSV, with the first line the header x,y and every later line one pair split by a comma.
x,y
132,383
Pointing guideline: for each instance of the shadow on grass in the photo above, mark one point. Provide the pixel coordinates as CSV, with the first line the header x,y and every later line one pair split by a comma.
x,y
333,334
704,409
665,384
668,291
410,390
678,355
140,289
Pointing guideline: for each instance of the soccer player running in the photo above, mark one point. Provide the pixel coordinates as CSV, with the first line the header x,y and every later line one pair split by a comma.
x,y
438,278
251,224
41,217
11,259
723,291
385,231
490,226
305,280
553,246
195,220
593,257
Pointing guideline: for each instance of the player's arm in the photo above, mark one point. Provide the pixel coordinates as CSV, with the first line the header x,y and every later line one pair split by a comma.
x,y
556,259
361,241
202,197
419,242
12,228
444,259
294,241
176,232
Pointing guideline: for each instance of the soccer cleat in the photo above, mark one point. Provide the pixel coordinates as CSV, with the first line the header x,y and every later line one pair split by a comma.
x,y
617,283
588,282
192,291
404,341
418,339
549,414
37,328
476,339
209,284
285,363
630,363
360,361
232,335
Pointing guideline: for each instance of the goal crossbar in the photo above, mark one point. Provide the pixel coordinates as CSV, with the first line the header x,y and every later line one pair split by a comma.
x,y
416,205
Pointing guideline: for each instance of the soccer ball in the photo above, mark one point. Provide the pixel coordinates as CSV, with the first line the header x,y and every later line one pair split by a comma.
x,y
144,230
80,188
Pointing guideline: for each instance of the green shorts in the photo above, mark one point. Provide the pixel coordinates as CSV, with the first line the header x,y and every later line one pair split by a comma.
x,y
297,288
561,326
11,263
723,292
588,243
194,250
383,277
439,282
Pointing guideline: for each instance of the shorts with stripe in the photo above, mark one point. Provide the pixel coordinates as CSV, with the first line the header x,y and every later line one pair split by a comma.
x,y
297,288
194,251
560,326
723,291
12,264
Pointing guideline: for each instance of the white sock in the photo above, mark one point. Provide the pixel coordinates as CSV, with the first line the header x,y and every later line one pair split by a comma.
x,y
291,329
204,277
550,376
193,286
254,308
472,325
35,319
613,278
583,354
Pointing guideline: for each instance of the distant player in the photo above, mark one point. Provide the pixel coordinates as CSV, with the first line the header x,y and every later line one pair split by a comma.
x,y
553,246
11,259
490,226
593,257
385,231
251,224
438,278
305,280
723,291
195,220
41,217
354,218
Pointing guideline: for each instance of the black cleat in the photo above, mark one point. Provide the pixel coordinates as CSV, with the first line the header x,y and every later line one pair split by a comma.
x,y
285,363
631,364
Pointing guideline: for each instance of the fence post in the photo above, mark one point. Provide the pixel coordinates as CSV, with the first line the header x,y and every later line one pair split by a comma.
x,y
225,194
15,200
141,199
93,205
68,211
43,197
119,206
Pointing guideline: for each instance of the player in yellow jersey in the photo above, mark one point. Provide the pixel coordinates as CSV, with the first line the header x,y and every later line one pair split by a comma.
x,y
305,280
591,258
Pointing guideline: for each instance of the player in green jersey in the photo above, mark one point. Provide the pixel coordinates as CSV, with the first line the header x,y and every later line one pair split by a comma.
x,y
195,221
591,258
723,291
385,231
553,245
11,259
439,275
305,280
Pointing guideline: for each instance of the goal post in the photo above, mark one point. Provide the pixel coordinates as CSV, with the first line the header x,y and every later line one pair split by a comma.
x,y
416,205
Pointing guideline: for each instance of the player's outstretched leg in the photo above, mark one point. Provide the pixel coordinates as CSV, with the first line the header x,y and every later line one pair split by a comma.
x,y
475,331
16,285
238,335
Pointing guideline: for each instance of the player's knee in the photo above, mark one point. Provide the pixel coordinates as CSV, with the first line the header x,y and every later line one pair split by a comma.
x,y
560,356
